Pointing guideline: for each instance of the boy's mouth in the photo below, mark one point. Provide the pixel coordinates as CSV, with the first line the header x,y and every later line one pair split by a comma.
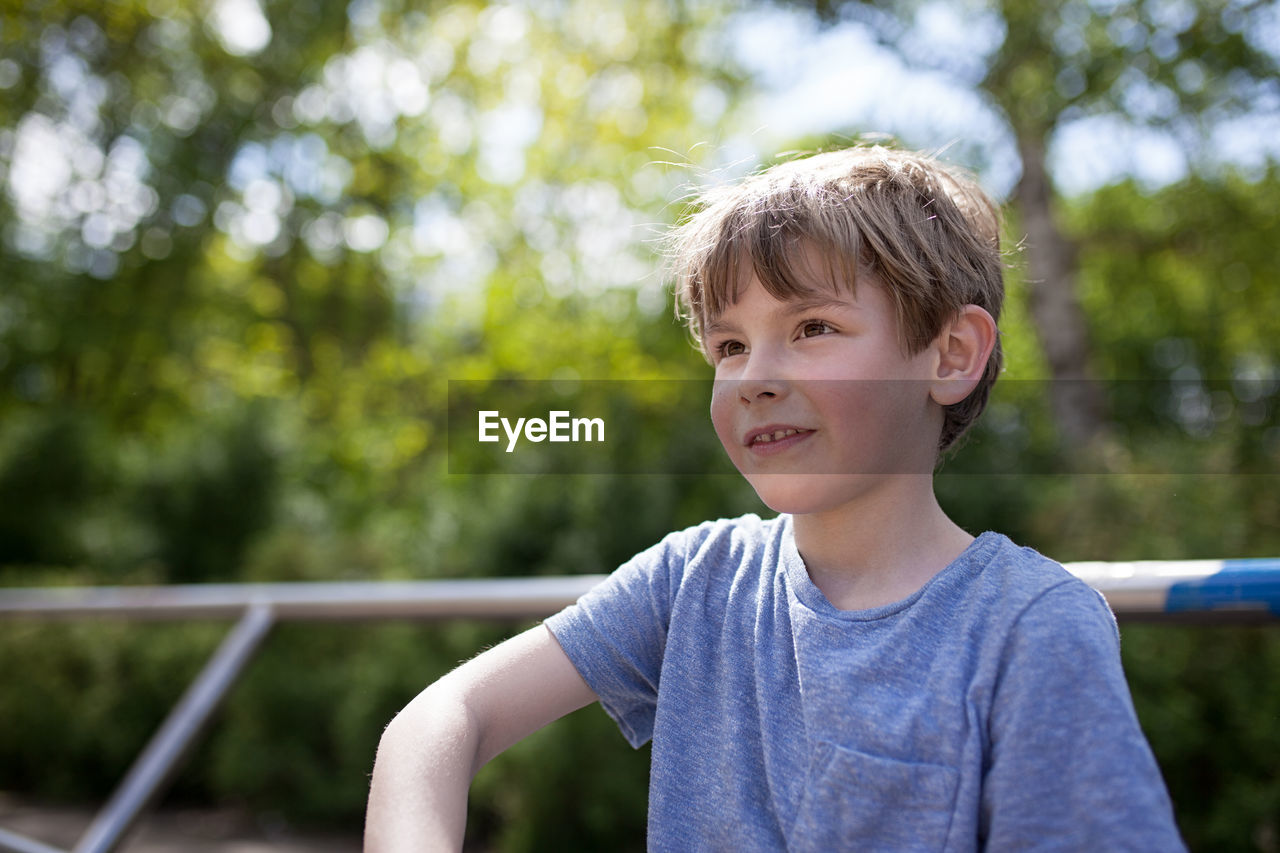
x,y
770,436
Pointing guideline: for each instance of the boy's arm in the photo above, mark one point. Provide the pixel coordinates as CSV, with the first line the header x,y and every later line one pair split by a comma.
x,y
432,749
1069,766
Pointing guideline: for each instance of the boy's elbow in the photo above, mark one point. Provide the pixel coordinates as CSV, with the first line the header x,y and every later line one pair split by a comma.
x,y
421,773
397,735
439,725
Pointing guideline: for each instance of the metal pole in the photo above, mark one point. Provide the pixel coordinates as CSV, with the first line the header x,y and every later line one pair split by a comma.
x,y
155,766
12,842
491,598
1182,590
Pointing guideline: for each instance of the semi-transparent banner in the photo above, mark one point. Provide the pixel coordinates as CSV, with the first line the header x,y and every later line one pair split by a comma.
x,y
666,427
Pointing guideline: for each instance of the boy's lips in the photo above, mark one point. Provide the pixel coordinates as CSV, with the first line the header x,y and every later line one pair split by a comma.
x,y
775,438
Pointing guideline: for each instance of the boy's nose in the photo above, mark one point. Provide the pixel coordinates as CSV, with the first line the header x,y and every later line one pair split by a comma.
x,y
760,378
752,389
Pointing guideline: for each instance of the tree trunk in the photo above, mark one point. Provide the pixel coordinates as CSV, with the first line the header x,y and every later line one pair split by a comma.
x,y
1077,402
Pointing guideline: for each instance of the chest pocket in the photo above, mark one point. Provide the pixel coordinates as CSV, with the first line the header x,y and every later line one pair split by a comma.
x,y
861,802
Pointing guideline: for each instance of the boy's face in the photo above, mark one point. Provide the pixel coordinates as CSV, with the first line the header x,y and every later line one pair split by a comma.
x,y
815,401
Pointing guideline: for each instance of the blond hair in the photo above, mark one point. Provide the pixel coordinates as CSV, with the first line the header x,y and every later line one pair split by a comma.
x,y
924,231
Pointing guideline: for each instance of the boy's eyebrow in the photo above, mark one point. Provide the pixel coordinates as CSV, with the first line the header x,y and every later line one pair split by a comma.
x,y
716,326
789,308
799,306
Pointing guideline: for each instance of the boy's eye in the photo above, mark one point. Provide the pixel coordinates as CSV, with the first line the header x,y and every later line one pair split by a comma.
x,y
813,328
728,348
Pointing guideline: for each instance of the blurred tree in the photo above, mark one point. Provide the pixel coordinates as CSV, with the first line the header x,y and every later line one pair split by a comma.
x,y
1186,68
245,244
315,206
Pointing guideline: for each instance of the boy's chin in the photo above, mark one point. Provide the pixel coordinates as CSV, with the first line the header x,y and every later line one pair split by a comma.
x,y
807,494
801,494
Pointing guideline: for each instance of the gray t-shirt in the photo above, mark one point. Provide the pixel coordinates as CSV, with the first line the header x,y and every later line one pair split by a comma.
x,y
988,710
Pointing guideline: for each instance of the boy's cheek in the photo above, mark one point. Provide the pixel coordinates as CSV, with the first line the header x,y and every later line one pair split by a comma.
x,y
723,398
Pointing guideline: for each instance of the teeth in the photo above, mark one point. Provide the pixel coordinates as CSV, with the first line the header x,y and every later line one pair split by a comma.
x,y
776,435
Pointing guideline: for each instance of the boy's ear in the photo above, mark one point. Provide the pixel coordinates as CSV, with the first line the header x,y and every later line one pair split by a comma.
x,y
962,348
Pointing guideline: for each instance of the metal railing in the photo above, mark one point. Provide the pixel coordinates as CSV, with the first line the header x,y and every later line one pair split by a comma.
x,y
1199,590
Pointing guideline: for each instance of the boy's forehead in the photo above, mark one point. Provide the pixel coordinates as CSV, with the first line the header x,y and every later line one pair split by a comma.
x,y
817,294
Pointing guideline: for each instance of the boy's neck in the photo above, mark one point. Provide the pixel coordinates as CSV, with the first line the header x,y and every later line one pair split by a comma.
x,y
879,551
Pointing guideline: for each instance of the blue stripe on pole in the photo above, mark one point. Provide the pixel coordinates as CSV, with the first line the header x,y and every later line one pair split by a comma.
x,y
1241,584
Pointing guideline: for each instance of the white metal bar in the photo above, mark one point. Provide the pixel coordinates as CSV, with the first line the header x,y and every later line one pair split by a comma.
x,y
479,599
1197,589
1201,590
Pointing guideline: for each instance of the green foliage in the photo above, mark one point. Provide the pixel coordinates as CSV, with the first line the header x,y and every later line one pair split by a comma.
x,y
1208,702
231,306
208,506
82,699
1182,281
51,472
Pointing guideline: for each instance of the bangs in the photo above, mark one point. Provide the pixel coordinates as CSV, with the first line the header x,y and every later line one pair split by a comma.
x,y
791,259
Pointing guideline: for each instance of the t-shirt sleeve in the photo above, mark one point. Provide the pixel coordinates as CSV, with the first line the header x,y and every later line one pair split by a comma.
x,y
1069,767
616,634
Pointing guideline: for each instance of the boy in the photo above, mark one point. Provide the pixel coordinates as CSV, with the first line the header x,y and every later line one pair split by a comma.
x,y
858,673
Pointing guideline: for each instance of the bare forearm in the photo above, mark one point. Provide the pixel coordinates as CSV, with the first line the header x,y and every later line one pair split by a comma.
x,y
426,758
430,752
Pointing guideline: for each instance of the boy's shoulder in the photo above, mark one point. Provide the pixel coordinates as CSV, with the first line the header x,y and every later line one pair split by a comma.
x,y
1035,599
715,551
1021,572
730,544
1039,576
735,534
